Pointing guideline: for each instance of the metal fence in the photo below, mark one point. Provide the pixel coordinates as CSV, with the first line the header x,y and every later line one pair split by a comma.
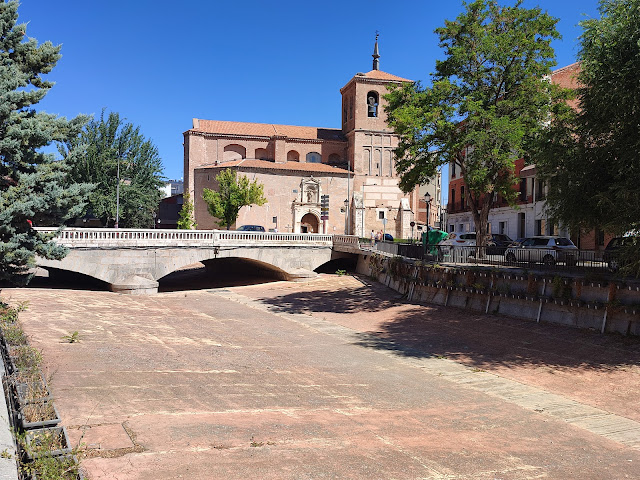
x,y
539,258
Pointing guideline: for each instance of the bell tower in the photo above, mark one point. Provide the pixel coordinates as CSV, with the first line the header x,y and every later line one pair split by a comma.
x,y
364,121
378,203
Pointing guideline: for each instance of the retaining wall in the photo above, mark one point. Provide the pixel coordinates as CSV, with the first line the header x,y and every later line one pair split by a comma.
x,y
606,306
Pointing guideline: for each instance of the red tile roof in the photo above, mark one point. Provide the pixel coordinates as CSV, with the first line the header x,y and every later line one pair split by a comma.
x,y
266,130
380,75
267,165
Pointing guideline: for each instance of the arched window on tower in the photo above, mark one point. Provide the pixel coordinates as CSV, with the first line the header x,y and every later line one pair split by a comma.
x,y
372,104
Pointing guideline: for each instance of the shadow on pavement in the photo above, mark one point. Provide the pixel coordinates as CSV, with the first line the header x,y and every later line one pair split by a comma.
x,y
476,339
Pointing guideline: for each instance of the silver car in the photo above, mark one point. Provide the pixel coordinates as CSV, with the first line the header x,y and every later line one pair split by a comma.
x,y
548,250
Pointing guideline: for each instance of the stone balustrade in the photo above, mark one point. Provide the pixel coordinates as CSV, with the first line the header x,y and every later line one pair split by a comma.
x,y
121,237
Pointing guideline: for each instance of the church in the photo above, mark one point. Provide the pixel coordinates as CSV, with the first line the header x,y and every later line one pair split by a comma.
x,y
352,167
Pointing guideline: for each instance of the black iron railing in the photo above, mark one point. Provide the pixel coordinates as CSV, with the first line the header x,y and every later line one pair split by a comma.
x,y
540,258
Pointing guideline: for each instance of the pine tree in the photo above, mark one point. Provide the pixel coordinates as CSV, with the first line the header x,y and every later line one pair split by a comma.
x,y
34,188
186,222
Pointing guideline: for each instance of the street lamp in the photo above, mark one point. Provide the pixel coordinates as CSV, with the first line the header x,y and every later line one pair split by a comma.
x,y
115,225
427,200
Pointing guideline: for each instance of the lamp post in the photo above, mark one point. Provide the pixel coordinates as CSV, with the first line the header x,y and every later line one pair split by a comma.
x,y
427,200
115,225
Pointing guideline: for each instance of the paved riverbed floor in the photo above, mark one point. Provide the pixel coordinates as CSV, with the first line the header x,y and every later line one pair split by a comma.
x,y
337,378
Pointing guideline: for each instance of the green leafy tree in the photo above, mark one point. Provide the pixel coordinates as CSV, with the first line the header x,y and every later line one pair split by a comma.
x,y
185,220
34,188
114,149
488,98
592,161
234,192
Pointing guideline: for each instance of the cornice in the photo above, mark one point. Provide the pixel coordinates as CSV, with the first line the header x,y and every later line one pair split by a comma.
x,y
278,171
262,138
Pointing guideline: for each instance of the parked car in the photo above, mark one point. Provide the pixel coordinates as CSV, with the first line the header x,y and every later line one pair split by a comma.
x,y
611,253
498,244
544,249
388,237
250,228
457,240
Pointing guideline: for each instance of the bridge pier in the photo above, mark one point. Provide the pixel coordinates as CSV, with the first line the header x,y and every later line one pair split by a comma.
x,y
135,285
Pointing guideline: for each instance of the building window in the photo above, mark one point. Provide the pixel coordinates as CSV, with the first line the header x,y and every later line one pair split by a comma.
x,y
539,227
540,190
367,159
261,154
293,156
502,228
523,190
350,107
335,159
462,199
453,199
380,214
372,104
599,237
452,228
314,157
453,169
234,152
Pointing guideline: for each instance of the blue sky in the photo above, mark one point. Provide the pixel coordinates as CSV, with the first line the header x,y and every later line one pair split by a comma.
x,y
161,63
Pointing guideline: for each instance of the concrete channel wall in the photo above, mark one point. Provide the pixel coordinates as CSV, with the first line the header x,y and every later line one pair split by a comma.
x,y
606,306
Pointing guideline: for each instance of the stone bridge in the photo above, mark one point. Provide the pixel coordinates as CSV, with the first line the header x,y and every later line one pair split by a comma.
x,y
133,260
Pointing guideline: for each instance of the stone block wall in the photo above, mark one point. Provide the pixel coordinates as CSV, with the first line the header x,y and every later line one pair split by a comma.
x,y
605,306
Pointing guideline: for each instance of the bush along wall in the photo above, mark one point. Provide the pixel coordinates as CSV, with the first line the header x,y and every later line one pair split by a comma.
x,y
44,452
603,305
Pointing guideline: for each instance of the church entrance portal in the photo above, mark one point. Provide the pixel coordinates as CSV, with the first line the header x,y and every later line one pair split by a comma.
x,y
309,223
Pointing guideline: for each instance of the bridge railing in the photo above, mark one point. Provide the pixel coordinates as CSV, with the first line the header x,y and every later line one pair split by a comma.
x,y
115,237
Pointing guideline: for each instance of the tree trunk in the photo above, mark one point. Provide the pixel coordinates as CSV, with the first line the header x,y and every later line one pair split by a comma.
x,y
480,213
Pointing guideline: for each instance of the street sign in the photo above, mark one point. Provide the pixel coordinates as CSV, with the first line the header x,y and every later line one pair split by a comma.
x,y
324,207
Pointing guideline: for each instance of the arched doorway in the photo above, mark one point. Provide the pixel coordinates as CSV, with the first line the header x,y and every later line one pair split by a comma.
x,y
309,223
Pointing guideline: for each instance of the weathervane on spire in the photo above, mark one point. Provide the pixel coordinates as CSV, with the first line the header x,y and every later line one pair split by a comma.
x,y
376,55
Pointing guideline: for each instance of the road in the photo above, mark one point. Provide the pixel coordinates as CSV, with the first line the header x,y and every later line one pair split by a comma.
x,y
332,379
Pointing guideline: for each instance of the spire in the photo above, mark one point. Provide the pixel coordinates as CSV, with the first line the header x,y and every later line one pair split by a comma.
x,y
376,55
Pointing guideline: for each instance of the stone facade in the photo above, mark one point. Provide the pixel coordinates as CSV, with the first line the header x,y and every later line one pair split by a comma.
x,y
354,165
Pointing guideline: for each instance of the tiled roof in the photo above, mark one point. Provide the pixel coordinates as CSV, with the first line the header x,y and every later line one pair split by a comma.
x,y
380,75
289,166
266,130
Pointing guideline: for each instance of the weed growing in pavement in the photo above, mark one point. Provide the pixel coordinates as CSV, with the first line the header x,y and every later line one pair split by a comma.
x,y
340,273
73,337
